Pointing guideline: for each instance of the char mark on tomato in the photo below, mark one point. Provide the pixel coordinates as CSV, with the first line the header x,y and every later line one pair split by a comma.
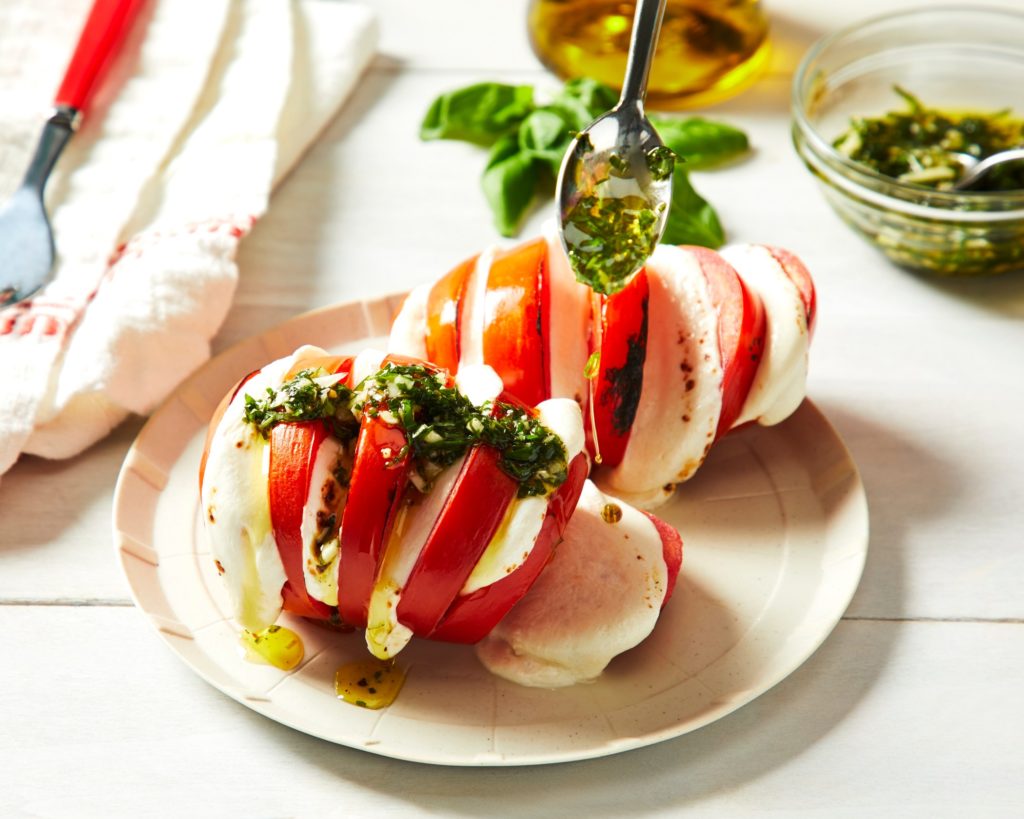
x,y
293,451
622,345
625,382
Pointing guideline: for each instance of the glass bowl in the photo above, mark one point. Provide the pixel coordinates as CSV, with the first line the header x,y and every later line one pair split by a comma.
x,y
951,58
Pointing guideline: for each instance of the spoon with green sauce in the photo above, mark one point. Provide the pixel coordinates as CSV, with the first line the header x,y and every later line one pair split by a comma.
x,y
615,184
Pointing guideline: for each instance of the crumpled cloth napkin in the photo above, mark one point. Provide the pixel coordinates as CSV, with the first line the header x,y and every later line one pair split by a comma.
x,y
210,104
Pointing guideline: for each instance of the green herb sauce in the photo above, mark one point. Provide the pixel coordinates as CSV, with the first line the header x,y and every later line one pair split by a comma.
x,y
618,236
917,145
304,398
609,233
440,423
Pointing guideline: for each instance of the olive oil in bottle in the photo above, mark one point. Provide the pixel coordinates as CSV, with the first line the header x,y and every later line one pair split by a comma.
x,y
708,49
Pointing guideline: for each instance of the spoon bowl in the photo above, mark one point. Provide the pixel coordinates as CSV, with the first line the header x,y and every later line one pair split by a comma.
x,y
615,184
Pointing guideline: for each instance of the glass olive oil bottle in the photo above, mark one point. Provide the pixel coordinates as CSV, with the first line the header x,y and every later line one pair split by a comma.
x,y
708,49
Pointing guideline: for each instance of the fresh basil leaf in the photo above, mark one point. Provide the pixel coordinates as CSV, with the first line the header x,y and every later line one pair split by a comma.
x,y
509,185
542,130
477,113
545,136
701,142
502,149
691,220
595,96
581,101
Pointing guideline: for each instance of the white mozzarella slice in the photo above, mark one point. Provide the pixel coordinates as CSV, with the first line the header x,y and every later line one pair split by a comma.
x,y
781,379
366,364
408,332
515,538
568,344
681,398
600,595
511,544
479,383
564,417
385,635
474,309
326,498
236,507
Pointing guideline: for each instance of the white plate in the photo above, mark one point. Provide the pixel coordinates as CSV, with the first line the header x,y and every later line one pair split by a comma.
x,y
775,528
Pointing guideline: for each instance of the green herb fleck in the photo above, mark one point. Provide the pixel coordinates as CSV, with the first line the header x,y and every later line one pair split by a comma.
x,y
593,365
661,161
620,165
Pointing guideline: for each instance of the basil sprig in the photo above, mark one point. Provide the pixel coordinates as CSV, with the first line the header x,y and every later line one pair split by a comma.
x,y
528,139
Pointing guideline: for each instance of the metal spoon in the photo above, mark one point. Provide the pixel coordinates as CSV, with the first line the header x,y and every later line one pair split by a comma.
x,y
610,159
26,239
975,169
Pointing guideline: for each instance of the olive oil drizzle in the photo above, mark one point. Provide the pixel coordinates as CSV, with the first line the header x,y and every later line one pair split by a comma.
x,y
275,645
369,683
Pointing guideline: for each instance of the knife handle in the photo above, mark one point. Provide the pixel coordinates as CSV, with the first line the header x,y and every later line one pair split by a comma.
x,y
104,32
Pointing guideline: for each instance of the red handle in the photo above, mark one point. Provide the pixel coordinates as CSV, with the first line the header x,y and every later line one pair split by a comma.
x,y
108,23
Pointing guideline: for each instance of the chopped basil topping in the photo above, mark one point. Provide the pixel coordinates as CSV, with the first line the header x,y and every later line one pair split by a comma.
x,y
440,423
311,395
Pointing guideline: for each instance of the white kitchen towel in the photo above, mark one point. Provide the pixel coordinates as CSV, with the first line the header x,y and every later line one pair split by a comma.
x,y
209,105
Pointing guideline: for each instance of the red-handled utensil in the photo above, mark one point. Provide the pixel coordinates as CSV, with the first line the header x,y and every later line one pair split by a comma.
x,y
26,240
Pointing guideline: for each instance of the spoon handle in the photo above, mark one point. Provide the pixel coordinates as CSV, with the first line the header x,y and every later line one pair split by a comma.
x,y
104,31
646,25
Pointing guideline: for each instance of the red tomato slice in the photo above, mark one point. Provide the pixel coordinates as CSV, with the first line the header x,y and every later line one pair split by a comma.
x,y
293,451
672,551
516,321
801,278
379,474
621,337
444,304
472,616
741,332
469,520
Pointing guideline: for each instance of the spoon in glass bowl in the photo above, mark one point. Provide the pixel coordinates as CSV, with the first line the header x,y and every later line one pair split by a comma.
x,y
615,183
975,169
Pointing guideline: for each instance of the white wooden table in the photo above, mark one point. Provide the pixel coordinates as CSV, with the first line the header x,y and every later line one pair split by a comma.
x,y
913,707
